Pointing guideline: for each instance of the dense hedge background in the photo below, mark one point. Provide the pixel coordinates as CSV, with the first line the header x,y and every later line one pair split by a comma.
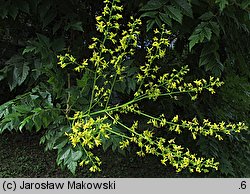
x,y
212,37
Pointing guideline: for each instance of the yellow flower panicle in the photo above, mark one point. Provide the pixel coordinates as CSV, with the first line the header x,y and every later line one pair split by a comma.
x,y
99,123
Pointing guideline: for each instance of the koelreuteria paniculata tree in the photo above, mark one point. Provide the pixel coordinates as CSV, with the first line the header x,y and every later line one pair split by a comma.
x,y
98,123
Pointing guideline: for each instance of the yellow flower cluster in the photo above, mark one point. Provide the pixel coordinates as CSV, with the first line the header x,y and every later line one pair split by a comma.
x,y
87,133
106,66
207,128
65,60
173,83
91,160
155,51
170,152
132,108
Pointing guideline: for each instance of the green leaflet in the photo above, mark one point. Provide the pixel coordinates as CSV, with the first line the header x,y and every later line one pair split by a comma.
x,y
222,4
63,154
150,24
174,13
69,157
185,7
151,14
207,16
76,25
165,18
72,166
245,4
18,70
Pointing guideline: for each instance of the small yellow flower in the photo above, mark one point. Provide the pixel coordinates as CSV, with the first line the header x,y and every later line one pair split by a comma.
x,y
175,119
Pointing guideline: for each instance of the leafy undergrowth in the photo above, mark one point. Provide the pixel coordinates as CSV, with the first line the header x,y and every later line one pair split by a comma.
x,y
22,156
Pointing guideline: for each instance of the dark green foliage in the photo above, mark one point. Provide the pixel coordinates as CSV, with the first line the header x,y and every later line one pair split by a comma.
x,y
207,25
212,37
33,109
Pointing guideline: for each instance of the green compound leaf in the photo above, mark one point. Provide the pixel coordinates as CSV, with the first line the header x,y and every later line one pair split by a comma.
x,y
201,33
